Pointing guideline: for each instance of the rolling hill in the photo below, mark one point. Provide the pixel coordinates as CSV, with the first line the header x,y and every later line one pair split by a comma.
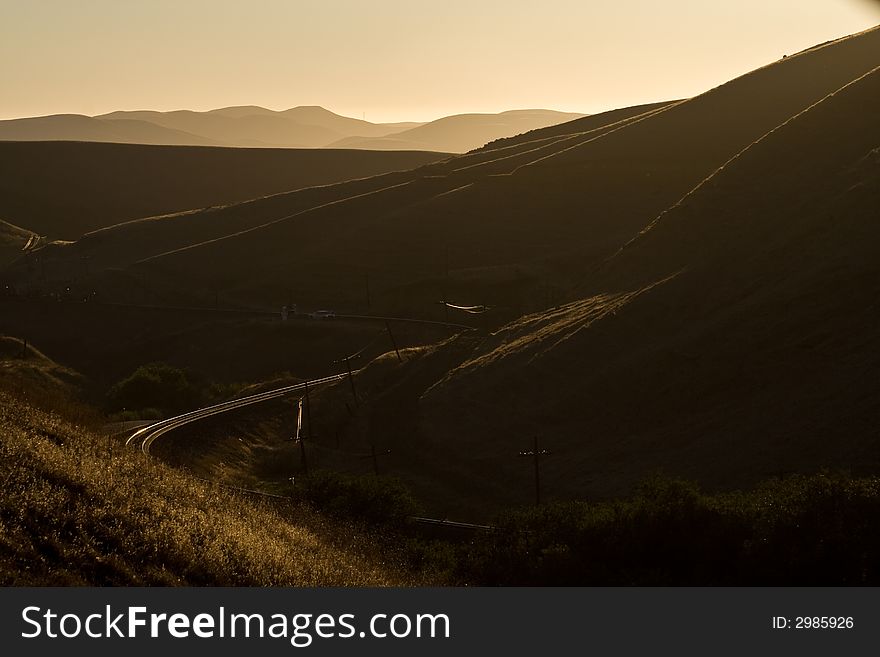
x,y
462,132
511,225
304,126
299,127
80,510
732,340
64,189
688,286
13,240
76,127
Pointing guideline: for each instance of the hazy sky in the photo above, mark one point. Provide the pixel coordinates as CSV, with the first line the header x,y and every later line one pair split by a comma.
x,y
393,59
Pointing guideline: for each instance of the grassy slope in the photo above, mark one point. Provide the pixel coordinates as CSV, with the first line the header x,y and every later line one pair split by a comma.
x,y
728,345
506,236
94,185
328,268
12,240
582,124
74,514
30,369
745,342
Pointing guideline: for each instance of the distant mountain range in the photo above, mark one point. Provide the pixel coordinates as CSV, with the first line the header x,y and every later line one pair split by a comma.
x,y
299,127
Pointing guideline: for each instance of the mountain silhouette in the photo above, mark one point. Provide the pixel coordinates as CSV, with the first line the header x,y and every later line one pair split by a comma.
x,y
462,132
250,126
75,127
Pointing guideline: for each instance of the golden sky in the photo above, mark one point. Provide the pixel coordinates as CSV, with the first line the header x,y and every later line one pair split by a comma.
x,y
393,59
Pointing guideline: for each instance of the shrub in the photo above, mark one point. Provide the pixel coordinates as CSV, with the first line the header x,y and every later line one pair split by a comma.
x,y
817,530
369,499
157,385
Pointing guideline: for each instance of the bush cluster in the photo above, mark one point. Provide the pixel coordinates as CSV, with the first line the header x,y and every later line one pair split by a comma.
x,y
161,388
368,499
802,530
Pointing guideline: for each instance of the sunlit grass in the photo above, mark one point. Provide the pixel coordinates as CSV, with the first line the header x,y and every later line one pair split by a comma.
x,y
78,509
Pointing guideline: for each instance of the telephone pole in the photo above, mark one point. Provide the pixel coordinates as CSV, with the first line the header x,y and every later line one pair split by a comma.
x,y
308,411
374,455
367,288
347,360
446,283
536,454
393,342
300,438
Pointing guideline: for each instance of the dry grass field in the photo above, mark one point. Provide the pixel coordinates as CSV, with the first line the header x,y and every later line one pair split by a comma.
x,y
78,509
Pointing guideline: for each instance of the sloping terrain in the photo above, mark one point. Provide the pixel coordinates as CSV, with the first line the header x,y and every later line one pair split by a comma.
x,y
576,125
13,240
734,339
687,286
512,226
77,127
65,189
24,367
75,514
244,126
462,132
298,127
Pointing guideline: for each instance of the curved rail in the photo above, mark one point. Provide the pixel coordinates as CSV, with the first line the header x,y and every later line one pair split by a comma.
x,y
145,436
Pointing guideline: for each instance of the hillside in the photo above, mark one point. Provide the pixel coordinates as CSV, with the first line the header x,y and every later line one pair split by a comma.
x,y
462,132
13,240
732,340
77,127
298,127
25,368
514,227
78,509
687,286
583,124
262,130
243,126
95,185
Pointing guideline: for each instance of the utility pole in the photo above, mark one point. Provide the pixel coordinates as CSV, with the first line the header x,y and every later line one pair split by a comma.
x,y
374,455
300,438
351,380
24,348
445,305
308,411
393,341
536,454
446,283
347,360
